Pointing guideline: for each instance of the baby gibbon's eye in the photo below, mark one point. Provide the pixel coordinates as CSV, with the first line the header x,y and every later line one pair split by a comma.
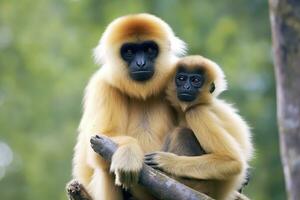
x,y
195,80
149,50
181,78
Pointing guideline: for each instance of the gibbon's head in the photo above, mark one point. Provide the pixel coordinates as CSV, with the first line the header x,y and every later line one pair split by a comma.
x,y
137,53
196,81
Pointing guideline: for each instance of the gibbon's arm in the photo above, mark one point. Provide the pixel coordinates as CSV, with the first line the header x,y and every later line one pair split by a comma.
x,y
223,158
104,109
105,112
98,117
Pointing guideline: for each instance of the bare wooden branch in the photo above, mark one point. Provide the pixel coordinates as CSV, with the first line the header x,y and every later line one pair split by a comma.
x,y
158,184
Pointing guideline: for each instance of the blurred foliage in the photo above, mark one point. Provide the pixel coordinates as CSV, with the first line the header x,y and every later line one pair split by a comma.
x,y
45,63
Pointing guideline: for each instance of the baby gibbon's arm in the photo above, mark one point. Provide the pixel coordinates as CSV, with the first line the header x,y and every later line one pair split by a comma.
x,y
223,159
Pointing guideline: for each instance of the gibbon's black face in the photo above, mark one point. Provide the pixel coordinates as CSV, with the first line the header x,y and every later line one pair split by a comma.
x,y
188,83
140,58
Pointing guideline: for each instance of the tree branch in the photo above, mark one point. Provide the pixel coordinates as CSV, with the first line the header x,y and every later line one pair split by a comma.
x,y
157,183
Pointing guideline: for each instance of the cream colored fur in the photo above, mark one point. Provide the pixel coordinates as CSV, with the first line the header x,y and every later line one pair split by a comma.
x,y
134,115
220,130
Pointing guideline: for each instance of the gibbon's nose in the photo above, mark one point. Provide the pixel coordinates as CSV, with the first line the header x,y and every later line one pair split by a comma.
x,y
141,60
140,63
187,86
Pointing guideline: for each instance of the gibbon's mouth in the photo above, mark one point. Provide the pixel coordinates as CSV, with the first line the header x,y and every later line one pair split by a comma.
x,y
141,75
141,72
187,97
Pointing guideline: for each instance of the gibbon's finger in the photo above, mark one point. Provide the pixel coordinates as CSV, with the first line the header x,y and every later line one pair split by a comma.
x,y
134,176
128,178
152,163
123,180
150,154
148,158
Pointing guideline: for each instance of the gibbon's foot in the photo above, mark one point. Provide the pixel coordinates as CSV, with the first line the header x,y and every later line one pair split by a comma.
x,y
126,164
76,191
163,161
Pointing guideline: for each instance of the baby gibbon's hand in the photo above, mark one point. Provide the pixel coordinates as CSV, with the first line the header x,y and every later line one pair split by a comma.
x,y
164,161
126,164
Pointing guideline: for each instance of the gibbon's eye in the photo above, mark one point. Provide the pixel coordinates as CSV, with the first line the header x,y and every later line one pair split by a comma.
x,y
151,49
197,81
181,78
128,51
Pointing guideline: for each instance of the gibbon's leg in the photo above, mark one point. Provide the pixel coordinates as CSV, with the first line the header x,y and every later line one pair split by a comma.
x,y
125,163
76,191
102,186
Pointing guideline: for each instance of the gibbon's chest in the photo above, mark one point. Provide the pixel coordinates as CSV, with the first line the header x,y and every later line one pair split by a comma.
x,y
149,122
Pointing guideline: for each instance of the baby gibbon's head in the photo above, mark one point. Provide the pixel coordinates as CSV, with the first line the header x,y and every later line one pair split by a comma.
x,y
196,80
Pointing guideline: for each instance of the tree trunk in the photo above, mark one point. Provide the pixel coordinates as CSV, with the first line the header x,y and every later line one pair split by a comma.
x,y
285,20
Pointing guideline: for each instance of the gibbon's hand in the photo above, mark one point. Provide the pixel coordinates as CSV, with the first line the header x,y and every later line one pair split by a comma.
x,y
164,161
126,164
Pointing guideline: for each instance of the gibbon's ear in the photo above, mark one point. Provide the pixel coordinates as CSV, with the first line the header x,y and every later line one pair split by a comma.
x,y
219,83
212,87
178,46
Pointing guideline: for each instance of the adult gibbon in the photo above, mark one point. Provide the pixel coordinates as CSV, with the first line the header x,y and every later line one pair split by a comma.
x,y
124,100
215,125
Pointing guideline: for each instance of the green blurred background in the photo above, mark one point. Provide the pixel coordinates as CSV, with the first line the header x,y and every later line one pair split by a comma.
x,y
45,63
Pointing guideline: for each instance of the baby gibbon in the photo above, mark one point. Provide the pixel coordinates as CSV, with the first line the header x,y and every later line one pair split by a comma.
x,y
217,127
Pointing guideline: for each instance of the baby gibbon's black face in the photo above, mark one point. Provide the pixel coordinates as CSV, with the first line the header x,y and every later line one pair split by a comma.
x,y
188,83
140,58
